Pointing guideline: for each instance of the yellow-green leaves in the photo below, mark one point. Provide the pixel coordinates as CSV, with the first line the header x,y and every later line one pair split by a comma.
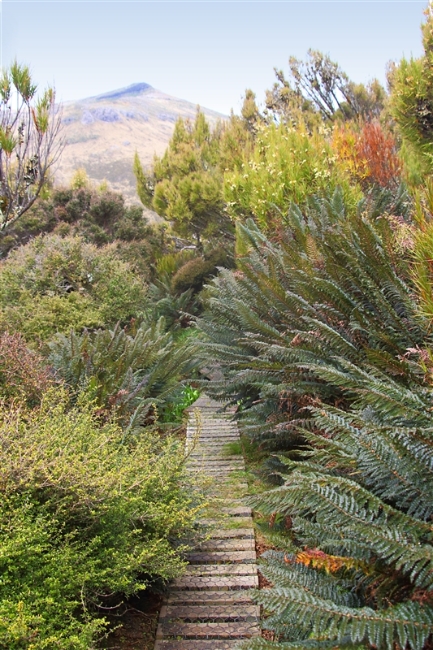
x,y
7,141
287,165
84,516
5,87
22,81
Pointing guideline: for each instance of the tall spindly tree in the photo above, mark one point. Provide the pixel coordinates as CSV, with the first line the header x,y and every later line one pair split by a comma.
x,y
30,141
318,86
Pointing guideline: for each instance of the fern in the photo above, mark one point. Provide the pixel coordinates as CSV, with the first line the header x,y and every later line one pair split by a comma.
x,y
127,374
320,339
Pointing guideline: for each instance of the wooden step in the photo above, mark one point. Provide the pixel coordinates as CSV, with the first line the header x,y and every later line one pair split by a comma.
x,y
210,606
192,644
242,522
215,613
223,597
221,570
214,583
203,557
236,630
241,539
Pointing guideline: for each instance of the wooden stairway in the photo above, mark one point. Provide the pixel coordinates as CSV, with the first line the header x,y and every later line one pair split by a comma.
x,y
209,608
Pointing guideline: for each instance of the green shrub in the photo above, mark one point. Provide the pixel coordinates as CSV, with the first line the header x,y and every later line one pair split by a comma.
x,y
193,273
99,217
176,410
169,263
287,165
55,284
38,318
87,516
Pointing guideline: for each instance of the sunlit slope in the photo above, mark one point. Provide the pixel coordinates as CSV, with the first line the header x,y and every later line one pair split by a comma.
x,y
102,133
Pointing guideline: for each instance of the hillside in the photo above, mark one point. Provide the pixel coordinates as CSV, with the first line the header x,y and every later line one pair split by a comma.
x,y
102,133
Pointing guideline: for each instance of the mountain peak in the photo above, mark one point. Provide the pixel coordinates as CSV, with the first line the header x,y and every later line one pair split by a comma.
x,y
133,89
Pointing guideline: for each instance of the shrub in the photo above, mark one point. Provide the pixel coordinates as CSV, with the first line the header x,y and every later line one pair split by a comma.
x,y
370,154
87,516
54,284
193,273
287,165
23,375
99,217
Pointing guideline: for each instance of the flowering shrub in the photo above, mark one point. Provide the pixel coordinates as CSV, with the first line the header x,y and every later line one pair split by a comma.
x,y
287,165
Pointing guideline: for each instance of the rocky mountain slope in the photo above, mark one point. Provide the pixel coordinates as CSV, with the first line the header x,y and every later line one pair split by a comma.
x,y
102,133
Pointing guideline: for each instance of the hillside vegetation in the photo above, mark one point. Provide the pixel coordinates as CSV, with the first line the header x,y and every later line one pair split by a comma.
x,y
294,253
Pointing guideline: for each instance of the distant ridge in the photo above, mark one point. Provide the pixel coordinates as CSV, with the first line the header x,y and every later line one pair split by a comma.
x,y
103,133
132,90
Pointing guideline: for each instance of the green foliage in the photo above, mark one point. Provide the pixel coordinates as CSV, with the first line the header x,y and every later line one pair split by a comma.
x,y
185,185
192,274
318,88
363,498
176,308
287,165
176,411
169,263
54,284
87,516
315,336
99,217
130,375
330,289
412,106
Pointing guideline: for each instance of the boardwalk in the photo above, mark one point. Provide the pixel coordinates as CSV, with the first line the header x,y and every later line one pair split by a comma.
x,y
209,607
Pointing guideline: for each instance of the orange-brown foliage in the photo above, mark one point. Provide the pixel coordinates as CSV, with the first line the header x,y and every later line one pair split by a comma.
x,y
23,374
369,153
319,560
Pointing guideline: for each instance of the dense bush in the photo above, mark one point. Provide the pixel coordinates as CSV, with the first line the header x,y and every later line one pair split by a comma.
x,y
55,284
99,217
193,273
370,153
24,377
287,165
87,516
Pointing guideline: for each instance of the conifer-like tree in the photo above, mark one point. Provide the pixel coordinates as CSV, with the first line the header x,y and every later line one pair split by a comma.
x,y
184,186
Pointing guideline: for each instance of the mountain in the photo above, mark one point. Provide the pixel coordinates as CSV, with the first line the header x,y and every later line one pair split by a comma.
x,y
102,133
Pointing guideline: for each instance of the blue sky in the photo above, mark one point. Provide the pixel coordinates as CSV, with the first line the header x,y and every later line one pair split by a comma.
x,y
207,52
